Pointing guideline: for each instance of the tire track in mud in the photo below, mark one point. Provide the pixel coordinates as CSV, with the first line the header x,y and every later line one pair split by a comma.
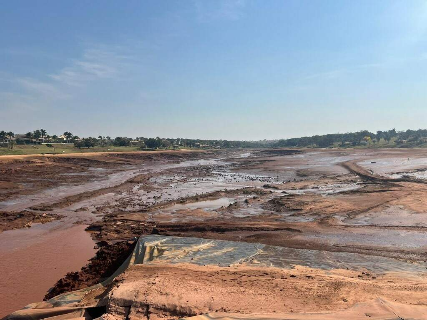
x,y
67,201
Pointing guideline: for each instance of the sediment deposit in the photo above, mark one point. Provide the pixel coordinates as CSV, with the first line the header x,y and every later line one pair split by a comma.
x,y
351,223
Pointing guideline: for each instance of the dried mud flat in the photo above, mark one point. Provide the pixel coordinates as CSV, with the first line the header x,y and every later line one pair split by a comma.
x,y
352,223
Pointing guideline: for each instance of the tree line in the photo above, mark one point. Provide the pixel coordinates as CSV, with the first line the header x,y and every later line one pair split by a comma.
x,y
364,138
41,136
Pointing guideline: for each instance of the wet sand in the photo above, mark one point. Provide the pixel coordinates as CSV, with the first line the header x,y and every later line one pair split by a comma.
x,y
169,290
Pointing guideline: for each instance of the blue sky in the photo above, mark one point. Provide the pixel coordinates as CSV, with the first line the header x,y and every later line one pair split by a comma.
x,y
236,69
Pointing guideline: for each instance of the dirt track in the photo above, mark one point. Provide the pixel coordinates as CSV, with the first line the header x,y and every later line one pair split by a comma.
x,y
369,203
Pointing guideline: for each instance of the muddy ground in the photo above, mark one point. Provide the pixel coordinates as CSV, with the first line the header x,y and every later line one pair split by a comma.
x,y
365,210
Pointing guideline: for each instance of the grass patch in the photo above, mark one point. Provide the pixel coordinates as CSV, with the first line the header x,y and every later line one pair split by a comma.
x,y
60,148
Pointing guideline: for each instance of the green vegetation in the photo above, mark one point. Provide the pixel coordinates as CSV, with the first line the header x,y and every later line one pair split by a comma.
x,y
60,148
39,141
381,139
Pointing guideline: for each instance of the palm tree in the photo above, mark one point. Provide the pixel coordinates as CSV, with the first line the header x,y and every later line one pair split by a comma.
x,y
43,133
68,135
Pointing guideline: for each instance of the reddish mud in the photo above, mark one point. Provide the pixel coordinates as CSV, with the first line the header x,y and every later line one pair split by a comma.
x,y
13,220
365,206
107,260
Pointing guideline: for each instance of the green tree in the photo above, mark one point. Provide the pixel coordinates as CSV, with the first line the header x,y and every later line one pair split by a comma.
x,y
122,141
101,141
166,143
37,134
85,143
43,133
68,136
152,143
29,135
9,137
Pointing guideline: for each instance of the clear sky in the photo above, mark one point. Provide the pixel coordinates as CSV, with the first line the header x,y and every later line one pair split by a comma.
x,y
237,69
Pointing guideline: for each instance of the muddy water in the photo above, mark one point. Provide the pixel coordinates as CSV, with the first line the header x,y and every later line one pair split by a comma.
x,y
32,260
